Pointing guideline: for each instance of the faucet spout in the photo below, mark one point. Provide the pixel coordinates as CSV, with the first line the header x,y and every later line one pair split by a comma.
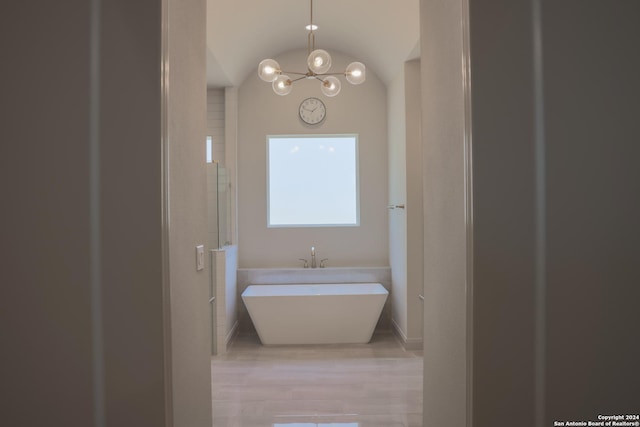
x,y
313,257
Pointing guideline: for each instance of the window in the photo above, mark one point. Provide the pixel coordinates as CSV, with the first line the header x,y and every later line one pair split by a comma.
x,y
209,149
312,181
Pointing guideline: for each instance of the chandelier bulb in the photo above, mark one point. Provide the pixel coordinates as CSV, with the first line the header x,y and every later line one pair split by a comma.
x,y
331,86
356,73
269,70
319,61
282,85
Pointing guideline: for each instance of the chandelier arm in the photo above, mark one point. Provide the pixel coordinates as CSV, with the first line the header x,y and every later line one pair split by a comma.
x,y
294,72
304,76
333,74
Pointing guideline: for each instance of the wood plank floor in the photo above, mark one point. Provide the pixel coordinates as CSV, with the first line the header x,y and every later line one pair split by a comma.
x,y
357,385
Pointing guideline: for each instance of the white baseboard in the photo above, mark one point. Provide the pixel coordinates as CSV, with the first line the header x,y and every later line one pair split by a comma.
x,y
232,334
410,344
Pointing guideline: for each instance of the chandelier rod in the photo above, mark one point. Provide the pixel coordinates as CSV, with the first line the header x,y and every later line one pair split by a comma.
x,y
311,38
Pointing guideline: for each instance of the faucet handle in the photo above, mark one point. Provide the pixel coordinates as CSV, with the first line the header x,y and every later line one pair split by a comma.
x,y
305,262
322,262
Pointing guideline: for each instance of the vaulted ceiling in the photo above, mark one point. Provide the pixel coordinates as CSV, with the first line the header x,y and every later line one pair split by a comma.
x,y
382,34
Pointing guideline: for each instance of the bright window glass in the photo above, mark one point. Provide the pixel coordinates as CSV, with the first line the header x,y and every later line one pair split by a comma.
x,y
209,149
312,181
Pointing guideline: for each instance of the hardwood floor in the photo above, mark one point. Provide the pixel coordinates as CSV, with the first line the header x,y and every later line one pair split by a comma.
x,y
356,385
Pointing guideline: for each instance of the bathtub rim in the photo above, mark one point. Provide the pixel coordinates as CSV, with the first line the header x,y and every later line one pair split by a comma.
x,y
302,289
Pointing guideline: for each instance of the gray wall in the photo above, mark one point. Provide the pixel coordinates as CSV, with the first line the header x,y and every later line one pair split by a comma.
x,y
586,188
503,211
52,258
593,206
48,368
44,182
357,109
555,208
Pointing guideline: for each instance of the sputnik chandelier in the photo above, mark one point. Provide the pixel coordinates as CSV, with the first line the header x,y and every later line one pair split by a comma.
x,y
318,64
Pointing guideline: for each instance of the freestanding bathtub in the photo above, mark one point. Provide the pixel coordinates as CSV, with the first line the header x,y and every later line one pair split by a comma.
x,y
335,313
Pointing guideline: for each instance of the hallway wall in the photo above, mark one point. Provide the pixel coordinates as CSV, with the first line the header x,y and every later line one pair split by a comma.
x,y
504,212
556,208
54,255
45,295
593,206
84,338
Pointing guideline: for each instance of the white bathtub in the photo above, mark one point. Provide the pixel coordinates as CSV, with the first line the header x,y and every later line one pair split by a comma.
x,y
335,313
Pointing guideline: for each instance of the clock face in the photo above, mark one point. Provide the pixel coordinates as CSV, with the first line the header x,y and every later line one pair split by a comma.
x,y
312,111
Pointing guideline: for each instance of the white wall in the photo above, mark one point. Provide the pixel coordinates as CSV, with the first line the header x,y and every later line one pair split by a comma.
x,y
398,195
414,204
231,159
445,249
405,188
216,121
190,316
357,109
215,129
226,303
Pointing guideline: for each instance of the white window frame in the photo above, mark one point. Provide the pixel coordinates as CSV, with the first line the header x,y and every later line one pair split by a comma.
x,y
315,183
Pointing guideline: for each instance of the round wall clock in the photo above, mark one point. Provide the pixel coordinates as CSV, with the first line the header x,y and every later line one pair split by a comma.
x,y
312,111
